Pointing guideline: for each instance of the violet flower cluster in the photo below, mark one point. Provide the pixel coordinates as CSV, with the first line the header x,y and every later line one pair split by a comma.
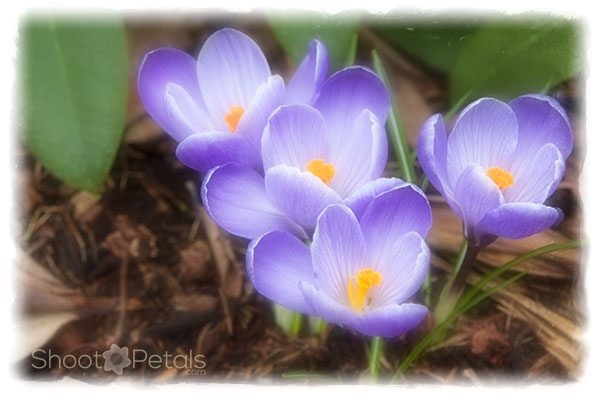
x,y
286,164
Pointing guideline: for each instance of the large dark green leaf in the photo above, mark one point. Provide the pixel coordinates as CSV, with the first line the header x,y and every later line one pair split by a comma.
x,y
509,59
339,35
74,96
435,43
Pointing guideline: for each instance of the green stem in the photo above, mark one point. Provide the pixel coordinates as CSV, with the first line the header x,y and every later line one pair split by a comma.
x,y
316,325
498,271
424,182
288,320
460,258
296,323
470,256
439,329
457,105
374,361
395,128
426,288
469,299
452,290
547,87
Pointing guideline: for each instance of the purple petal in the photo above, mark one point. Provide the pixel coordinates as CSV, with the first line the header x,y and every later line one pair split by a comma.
x,y
345,95
362,197
361,157
310,75
519,220
184,115
538,180
276,263
234,196
476,195
268,97
403,263
485,134
390,321
294,136
325,307
300,195
393,214
158,69
338,251
203,151
230,68
432,152
541,120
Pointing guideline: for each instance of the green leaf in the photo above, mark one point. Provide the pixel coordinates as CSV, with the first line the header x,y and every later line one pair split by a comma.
x,y
471,298
435,43
505,60
316,324
288,320
438,330
395,127
337,33
75,84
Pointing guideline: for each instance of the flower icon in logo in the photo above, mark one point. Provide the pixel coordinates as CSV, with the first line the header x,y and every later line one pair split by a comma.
x,y
116,359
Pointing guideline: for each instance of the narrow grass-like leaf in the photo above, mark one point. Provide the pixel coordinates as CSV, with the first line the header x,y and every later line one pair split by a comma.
x,y
305,375
75,85
439,329
499,271
395,127
470,299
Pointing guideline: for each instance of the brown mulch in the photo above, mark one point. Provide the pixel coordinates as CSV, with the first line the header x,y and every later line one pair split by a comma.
x,y
142,266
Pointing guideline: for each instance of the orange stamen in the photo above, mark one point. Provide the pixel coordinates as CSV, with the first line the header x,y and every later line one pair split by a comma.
x,y
358,287
232,119
323,171
501,178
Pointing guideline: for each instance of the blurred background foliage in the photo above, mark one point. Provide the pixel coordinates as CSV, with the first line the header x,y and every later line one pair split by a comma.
x,y
74,88
74,74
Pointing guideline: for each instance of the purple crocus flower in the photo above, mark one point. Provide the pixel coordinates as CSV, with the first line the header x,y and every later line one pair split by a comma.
x,y
499,164
219,104
313,156
365,262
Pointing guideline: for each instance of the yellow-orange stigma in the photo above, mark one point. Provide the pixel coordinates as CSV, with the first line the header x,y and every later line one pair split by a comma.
x,y
501,178
232,119
323,171
358,286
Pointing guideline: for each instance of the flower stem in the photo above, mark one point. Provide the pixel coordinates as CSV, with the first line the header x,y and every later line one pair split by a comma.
x,y
453,289
457,105
288,320
296,323
374,361
317,325
471,298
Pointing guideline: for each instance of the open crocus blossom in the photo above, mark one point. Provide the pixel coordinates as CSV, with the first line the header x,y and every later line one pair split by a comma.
x,y
364,263
313,156
499,164
219,104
